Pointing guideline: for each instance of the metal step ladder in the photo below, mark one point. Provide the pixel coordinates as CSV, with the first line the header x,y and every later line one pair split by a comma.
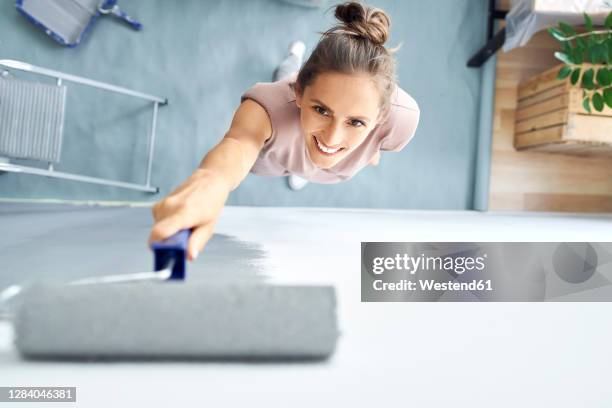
x,y
32,123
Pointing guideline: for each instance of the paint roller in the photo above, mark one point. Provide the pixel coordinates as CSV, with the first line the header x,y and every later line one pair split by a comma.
x,y
159,315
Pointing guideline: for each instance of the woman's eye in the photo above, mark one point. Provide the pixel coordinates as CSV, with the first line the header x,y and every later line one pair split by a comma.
x,y
320,110
356,123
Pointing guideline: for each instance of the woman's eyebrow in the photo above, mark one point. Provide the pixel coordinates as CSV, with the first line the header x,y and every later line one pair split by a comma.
x,y
323,105
363,118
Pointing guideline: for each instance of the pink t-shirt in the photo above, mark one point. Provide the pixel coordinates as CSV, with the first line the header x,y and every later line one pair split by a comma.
x,y
285,152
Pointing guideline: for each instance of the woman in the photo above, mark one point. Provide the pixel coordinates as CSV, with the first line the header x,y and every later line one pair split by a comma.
x,y
323,125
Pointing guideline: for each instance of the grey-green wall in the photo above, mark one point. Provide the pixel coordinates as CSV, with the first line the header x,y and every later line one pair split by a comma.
x,y
202,55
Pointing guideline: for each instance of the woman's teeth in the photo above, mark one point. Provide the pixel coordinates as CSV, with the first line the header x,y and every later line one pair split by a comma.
x,y
326,149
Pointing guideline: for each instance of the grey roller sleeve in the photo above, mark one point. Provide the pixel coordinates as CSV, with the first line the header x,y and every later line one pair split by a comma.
x,y
176,320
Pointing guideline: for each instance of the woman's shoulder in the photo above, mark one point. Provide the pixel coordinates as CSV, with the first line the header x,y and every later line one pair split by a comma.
x,y
271,95
402,100
402,121
278,101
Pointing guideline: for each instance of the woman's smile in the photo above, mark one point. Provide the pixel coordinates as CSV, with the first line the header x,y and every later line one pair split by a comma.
x,y
326,150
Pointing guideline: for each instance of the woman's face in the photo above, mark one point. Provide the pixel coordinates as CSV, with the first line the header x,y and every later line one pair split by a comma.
x,y
338,111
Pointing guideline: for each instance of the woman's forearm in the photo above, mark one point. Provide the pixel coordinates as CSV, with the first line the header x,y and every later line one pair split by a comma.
x,y
229,160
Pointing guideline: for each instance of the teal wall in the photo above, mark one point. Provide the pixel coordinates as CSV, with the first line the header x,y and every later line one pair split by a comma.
x,y
202,55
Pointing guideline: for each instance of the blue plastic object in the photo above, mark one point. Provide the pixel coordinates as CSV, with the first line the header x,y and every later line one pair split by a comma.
x,y
68,21
172,249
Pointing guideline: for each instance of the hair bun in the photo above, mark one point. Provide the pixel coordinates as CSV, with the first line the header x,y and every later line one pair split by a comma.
x,y
363,21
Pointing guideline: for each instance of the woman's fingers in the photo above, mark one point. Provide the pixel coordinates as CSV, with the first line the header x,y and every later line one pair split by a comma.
x,y
199,238
155,211
164,207
195,204
167,227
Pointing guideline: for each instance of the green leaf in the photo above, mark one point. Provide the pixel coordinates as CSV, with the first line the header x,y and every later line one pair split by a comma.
x,y
581,43
586,104
563,57
598,102
575,76
567,29
577,55
607,94
565,71
567,48
588,23
591,40
558,35
603,77
587,79
595,53
608,22
592,54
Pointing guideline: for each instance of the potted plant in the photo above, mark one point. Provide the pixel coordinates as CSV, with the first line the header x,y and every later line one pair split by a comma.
x,y
587,57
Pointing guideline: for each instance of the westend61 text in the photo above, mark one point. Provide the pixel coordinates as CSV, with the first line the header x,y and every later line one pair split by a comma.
x,y
432,285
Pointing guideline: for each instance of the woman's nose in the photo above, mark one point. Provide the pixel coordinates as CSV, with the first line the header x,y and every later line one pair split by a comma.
x,y
334,134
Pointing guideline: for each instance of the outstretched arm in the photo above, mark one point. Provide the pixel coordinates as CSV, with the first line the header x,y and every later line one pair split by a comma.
x,y
198,201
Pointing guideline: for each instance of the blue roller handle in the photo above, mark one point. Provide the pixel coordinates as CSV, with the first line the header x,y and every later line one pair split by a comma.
x,y
173,248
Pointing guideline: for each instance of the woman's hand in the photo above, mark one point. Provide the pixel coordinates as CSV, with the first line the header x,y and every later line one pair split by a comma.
x,y
195,204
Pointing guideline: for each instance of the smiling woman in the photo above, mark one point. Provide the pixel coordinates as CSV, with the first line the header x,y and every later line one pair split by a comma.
x,y
324,123
334,116
333,129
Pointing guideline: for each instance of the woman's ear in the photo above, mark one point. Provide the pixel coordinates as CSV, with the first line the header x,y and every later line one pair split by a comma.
x,y
298,94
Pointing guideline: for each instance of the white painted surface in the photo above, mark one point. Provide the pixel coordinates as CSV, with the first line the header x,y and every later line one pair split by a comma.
x,y
408,354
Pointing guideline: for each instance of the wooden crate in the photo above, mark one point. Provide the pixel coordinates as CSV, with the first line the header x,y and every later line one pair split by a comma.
x,y
550,118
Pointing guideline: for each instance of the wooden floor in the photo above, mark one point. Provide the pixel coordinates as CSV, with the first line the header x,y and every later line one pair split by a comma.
x,y
539,181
